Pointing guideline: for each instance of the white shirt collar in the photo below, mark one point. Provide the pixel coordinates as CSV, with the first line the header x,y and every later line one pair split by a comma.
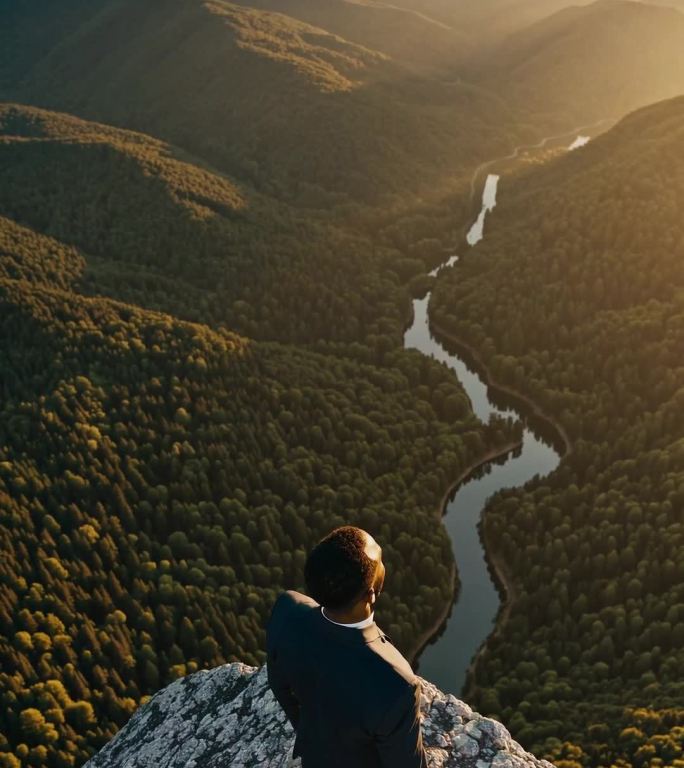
x,y
356,625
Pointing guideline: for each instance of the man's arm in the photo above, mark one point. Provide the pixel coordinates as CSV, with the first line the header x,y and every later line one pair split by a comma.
x,y
399,740
275,671
282,689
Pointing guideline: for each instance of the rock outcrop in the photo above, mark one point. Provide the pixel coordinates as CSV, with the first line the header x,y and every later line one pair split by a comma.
x,y
227,716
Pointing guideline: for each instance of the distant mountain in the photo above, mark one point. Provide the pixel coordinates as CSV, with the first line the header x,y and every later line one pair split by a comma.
x,y
30,30
296,111
479,21
496,16
590,62
576,298
408,37
431,9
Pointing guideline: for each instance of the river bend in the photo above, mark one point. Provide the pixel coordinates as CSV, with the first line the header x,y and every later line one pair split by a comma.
x,y
448,655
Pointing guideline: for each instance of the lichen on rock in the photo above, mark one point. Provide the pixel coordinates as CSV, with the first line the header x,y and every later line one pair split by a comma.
x,y
227,716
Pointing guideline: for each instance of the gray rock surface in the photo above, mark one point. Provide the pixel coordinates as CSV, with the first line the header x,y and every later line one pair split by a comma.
x,y
227,716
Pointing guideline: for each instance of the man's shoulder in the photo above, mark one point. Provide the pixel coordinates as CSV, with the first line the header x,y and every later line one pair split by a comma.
x,y
289,605
298,598
291,600
390,668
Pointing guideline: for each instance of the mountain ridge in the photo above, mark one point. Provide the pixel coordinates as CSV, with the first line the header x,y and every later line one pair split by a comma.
x,y
563,65
249,103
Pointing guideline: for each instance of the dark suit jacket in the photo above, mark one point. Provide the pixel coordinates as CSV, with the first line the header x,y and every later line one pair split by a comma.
x,y
350,695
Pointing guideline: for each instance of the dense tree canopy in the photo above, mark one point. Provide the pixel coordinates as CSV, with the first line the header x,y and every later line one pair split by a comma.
x,y
160,482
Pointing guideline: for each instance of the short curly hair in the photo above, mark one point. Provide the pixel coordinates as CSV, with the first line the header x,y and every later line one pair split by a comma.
x,y
338,570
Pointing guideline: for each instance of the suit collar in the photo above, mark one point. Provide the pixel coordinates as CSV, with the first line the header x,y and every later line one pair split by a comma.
x,y
367,622
349,635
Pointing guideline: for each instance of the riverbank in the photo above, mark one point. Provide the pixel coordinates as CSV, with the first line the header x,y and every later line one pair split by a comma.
x,y
499,572
433,630
482,368
515,154
505,586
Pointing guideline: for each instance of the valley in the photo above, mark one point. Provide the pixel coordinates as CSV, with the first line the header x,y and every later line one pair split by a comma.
x,y
272,266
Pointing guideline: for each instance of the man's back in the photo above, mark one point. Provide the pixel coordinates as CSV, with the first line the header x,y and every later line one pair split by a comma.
x,y
350,695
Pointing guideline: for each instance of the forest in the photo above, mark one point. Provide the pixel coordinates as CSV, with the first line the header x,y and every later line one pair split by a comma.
x,y
213,218
218,251
164,482
576,298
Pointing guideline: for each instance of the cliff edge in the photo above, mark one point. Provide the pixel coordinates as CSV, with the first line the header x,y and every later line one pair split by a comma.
x,y
227,716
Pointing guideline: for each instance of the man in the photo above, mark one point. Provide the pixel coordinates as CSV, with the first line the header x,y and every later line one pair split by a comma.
x,y
351,697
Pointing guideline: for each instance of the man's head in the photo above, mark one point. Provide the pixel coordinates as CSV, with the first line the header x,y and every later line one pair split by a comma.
x,y
345,569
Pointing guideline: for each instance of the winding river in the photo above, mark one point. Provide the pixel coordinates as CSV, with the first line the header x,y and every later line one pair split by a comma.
x,y
447,657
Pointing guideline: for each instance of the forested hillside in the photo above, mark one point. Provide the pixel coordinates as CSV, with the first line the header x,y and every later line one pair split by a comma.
x,y
336,105
293,109
576,297
161,232
564,69
413,39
